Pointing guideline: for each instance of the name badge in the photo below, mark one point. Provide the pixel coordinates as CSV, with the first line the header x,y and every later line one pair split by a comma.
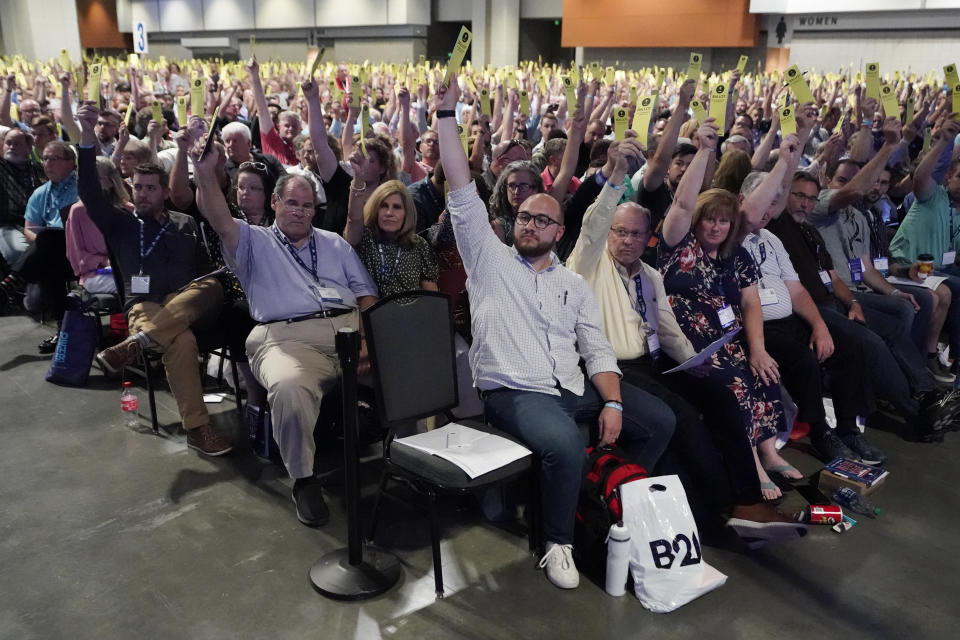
x,y
768,296
827,282
140,284
882,265
856,270
653,344
949,257
726,316
329,294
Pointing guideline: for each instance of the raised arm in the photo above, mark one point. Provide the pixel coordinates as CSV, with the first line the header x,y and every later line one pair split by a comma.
x,y
210,199
660,162
923,181
408,139
10,85
359,194
456,169
88,183
758,201
326,160
571,152
263,113
66,109
181,195
680,215
346,135
854,190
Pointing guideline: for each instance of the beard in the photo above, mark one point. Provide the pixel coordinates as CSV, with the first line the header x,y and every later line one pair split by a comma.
x,y
532,251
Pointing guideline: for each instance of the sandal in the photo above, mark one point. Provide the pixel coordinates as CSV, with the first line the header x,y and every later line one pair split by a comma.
x,y
783,470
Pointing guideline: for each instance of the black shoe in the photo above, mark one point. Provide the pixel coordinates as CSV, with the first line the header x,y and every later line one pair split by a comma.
x,y
869,454
938,414
311,508
49,345
829,446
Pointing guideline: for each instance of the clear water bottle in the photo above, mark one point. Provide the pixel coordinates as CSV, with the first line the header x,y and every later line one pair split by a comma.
x,y
129,405
618,559
853,501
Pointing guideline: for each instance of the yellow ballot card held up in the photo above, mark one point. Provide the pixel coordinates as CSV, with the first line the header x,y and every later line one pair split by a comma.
x,y
742,63
610,75
698,111
196,96
459,51
157,111
93,83
788,123
524,102
693,69
798,85
65,60
950,71
873,80
485,101
570,90
718,104
641,117
620,123
356,88
364,127
888,99
956,99
462,130
182,110
839,124
911,107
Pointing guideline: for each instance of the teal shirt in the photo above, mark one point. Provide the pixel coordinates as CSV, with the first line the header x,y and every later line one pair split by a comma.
x,y
44,205
927,229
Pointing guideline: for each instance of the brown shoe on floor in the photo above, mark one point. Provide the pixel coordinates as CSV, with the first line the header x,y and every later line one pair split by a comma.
x,y
757,524
119,355
207,441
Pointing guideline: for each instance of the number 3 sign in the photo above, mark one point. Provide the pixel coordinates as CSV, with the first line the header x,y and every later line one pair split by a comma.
x,y
139,37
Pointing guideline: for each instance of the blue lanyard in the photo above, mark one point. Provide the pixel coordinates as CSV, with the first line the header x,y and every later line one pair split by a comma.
x,y
641,303
383,264
282,239
156,239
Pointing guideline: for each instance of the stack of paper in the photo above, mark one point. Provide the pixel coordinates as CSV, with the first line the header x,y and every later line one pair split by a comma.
x,y
474,451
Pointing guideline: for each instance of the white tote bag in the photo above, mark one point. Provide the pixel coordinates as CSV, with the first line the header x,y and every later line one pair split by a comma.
x,y
666,558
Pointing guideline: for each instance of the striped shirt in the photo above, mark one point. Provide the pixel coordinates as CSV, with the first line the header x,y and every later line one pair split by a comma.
x,y
775,269
530,328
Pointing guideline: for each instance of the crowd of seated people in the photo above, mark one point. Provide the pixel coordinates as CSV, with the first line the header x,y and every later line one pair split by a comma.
x,y
581,263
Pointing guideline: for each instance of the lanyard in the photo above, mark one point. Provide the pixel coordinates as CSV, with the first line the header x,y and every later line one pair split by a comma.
x,y
641,303
383,264
156,239
282,239
763,253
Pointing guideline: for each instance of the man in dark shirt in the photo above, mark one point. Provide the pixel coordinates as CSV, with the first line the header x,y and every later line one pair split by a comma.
x,y
19,177
160,255
428,196
843,316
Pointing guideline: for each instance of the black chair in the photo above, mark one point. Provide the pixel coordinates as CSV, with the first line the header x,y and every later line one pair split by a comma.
x,y
410,339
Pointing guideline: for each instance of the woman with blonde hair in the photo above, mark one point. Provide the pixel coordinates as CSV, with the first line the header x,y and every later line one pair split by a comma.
x,y
381,227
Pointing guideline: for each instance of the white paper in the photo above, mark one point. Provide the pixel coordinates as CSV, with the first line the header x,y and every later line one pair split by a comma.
x,y
474,451
931,282
213,397
704,355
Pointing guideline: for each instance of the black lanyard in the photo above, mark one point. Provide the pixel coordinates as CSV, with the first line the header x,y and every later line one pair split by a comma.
x,y
282,239
156,239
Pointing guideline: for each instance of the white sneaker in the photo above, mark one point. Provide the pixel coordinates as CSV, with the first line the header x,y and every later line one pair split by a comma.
x,y
560,568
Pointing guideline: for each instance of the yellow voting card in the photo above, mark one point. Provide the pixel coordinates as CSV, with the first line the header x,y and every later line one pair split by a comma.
x,y
182,110
196,96
65,60
524,102
888,99
571,92
93,83
610,75
157,111
950,71
459,51
620,123
693,69
485,101
364,127
356,90
873,80
641,117
911,106
799,86
788,123
698,111
742,63
956,99
718,104
462,130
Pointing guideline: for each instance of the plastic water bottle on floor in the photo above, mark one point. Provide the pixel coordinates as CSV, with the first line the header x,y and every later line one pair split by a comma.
x,y
129,406
853,501
618,559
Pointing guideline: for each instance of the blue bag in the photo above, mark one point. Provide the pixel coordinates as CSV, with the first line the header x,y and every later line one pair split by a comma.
x,y
79,337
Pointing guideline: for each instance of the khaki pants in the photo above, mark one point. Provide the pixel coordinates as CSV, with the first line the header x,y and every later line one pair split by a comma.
x,y
297,363
169,326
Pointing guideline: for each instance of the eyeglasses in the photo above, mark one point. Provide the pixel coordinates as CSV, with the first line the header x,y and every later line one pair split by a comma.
x,y
52,158
540,221
519,186
293,205
622,233
804,197
256,166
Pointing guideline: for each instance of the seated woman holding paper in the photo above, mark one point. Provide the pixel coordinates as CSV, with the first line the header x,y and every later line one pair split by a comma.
x,y
712,285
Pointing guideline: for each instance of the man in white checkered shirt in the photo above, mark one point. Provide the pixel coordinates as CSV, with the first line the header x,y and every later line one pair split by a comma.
x,y
532,321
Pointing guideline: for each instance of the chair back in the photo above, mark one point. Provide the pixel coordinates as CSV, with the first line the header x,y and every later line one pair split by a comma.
x,y
410,339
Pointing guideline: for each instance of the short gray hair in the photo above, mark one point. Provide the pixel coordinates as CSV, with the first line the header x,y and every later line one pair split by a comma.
x,y
290,114
280,188
237,127
734,139
753,180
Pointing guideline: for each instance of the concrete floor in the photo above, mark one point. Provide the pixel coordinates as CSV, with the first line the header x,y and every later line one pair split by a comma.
x,y
107,532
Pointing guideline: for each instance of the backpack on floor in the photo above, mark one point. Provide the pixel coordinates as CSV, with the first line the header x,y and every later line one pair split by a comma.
x,y
599,505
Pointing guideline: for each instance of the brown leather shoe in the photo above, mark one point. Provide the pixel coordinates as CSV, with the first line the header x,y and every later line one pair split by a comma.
x,y
207,441
119,355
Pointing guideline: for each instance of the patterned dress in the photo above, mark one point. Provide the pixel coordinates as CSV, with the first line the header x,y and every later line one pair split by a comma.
x,y
396,268
698,286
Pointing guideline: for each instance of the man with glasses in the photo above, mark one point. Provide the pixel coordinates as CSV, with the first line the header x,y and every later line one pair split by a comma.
x,y
239,145
533,320
107,130
303,285
19,177
162,259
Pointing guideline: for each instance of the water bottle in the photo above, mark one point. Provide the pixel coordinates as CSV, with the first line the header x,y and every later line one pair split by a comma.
x,y
850,499
618,559
129,406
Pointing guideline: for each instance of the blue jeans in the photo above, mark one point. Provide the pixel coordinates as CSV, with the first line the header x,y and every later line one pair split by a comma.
x,y
892,319
953,313
547,425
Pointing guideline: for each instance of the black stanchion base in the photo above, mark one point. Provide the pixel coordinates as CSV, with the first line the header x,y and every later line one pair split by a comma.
x,y
334,576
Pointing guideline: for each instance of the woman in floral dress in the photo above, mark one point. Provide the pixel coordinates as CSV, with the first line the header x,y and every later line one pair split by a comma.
x,y
712,284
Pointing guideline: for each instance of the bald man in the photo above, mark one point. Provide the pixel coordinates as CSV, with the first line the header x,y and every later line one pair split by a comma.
x,y
532,321
716,462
